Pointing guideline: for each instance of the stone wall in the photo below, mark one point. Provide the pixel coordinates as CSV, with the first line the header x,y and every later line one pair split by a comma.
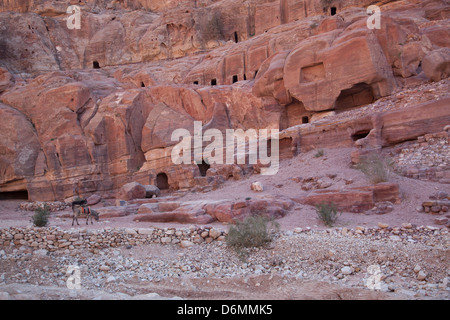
x,y
56,239
426,159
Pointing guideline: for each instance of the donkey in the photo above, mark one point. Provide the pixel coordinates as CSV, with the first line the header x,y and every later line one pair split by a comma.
x,y
83,210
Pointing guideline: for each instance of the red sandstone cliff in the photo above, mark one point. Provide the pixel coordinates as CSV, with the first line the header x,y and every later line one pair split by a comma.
x,y
70,129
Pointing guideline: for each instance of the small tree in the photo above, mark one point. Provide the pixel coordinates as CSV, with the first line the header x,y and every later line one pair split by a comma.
x,y
319,153
251,232
376,167
40,217
327,213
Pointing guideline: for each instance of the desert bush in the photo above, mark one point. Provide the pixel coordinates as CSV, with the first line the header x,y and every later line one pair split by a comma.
x,y
327,213
40,217
376,167
319,153
251,232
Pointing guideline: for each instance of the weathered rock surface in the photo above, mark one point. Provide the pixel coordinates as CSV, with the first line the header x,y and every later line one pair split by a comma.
x,y
5,79
97,106
203,211
356,200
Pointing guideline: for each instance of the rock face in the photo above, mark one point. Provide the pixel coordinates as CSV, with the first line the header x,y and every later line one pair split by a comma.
x,y
97,106
5,79
316,71
19,148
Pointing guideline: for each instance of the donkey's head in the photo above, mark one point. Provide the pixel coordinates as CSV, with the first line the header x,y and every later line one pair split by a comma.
x,y
95,214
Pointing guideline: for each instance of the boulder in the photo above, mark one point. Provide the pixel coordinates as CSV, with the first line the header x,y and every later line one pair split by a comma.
x,y
257,186
190,213
186,244
436,64
441,221
93,199
228,211
115,212
381,208
151,190
440,195
352,201
386,191
221,211
358,199
132,190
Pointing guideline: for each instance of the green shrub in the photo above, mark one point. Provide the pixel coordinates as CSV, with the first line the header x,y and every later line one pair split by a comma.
x,y
327,213
376,167
319,153
251,232
40,217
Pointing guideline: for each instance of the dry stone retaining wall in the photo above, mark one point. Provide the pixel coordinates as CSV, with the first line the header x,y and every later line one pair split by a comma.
x,y
426,159
54,238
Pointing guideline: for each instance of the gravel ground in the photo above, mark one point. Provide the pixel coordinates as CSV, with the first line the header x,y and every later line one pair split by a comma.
x,y
411,262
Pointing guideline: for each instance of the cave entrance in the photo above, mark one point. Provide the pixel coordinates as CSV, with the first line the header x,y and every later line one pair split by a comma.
x,y
361,134
14,195
235,78
162,181
236,38
358,95
95,65
203,167
213,82
333,11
